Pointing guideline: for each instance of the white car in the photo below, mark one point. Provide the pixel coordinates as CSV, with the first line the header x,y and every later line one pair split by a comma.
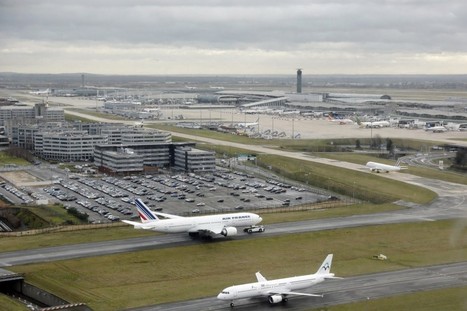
x,y
254,229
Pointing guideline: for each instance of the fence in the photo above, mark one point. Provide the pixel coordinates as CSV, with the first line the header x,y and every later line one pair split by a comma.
x,y
61,229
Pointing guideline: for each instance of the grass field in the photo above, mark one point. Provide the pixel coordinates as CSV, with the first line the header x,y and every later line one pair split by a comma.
x,y
54,214
94,113
8,304
442,299
157,276
6,159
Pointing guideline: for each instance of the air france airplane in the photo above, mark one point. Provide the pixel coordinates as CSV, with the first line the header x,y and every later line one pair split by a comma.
x,y
207,226
279,290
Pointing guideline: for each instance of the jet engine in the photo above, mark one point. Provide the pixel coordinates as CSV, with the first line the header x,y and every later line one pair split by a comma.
x,y
228,231
275,299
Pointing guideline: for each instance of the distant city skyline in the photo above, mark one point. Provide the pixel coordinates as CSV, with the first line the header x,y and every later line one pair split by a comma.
x,y
212,37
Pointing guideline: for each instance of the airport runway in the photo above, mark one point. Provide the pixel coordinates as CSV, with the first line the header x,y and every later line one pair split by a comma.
x,y
341,291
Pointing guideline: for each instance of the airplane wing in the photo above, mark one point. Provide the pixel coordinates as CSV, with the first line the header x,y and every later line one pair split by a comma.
x,y
293,293
139,225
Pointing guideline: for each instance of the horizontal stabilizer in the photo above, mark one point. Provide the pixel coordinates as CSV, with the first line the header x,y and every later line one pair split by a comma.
x,y
295,293
332,277
170,216
138,225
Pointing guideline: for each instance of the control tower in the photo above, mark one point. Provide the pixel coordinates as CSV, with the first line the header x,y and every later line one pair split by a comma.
x,y
299,81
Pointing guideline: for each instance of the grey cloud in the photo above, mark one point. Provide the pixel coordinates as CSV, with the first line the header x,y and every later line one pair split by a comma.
x,y
296,26
242,24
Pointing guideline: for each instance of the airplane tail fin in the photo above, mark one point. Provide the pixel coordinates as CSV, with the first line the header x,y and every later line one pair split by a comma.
x,y
144,212
358,121
325,267
398,163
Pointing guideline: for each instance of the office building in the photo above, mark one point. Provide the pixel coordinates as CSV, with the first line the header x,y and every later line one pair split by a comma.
x,y
190,159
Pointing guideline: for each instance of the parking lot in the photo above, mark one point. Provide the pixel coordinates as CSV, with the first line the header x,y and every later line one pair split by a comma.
x,y
108,198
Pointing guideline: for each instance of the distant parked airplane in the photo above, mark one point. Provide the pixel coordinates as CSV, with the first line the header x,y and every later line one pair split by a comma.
x,y
340,121
373,124
279,290
380,167
436,129
44,92
206,226
248,124
139,123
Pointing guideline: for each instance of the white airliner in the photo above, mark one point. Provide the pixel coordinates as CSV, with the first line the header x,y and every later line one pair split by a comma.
x,y
373,124
436,129
278,290
139,123
340,121
44,92
248,124
205,226
380,167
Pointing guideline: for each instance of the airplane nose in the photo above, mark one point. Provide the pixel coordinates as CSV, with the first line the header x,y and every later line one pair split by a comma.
x,y
260,218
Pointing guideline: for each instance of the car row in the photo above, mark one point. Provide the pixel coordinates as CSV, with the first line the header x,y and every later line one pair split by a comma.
x,y
26,199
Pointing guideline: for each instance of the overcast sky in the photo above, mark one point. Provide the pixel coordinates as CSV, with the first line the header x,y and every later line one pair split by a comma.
x,y
234,37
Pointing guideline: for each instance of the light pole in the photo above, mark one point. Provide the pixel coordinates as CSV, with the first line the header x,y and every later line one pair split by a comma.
x,y
293,128
353,192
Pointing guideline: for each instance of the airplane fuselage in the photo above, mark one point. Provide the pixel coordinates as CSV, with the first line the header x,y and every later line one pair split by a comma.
x,y
191,224
436,129
380,167
268,288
